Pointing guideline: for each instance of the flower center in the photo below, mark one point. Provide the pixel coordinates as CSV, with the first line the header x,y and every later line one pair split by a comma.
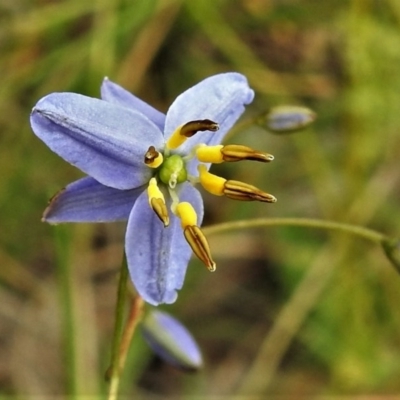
x,y
173,171
170,170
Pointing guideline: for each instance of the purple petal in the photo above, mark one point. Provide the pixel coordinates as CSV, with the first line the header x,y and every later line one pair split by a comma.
x,y
87,200
220,98
157,256
116,94
105,141
171,341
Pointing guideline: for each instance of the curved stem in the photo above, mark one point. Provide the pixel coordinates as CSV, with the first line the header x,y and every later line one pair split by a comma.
x,y
366,233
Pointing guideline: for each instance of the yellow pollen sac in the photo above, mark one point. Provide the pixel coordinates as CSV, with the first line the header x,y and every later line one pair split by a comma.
x,y
237,190
189,129
157,202
153,158
210,154
210,182
199,244
193,234
236,152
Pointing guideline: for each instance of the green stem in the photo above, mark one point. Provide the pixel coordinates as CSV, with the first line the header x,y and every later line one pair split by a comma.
x,y
365,233
113,372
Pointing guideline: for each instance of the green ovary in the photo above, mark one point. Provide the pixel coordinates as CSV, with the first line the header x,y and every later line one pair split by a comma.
x,y
173,170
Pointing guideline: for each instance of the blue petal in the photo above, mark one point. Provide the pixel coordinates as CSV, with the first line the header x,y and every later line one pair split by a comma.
x,y
220,98
171,341
157,256
105,141
87,200
116,94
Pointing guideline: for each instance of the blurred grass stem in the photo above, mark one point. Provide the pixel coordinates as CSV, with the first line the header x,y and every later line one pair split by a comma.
x,y
366,233
122,336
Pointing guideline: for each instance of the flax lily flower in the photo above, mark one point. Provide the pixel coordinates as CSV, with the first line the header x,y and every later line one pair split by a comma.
x,y
142,166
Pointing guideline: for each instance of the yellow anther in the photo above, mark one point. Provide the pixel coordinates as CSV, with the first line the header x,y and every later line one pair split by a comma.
x,y
193,234
186,213
157,201
153,158
236,152
237,190
210,154
210,182
199,244
188,130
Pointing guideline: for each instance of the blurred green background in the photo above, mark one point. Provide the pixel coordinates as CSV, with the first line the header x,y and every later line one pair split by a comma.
x,y
290,312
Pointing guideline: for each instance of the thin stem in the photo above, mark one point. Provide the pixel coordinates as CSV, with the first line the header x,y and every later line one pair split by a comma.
x,y
134,317
113,371
365,233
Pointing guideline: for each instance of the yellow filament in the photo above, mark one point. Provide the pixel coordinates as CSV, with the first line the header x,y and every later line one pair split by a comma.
x,y
210,182
153,191
186,213
210,154
176,139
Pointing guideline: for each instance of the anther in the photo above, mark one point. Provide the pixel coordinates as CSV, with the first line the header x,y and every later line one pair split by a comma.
x,y
192,127
230,153
193,234
236,152
157,202
153,158
187,130
198,242
237,190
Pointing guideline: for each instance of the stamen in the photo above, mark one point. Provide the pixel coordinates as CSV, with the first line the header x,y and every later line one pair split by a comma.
x,y
193,234
157,202
187,130
153,158
235,190
230,153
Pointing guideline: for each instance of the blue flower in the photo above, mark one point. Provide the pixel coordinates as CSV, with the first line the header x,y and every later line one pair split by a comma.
x,y
142,166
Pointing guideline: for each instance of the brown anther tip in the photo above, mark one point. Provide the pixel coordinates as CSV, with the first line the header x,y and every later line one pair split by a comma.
x,y
191,128
151,155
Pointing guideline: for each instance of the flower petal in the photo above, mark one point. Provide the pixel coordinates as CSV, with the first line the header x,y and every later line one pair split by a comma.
x,y
105,141
87,200
220,98
171,341
116,94
157,256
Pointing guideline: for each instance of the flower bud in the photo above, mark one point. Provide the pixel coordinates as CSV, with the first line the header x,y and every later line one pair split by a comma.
x,y
170,340
286,119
